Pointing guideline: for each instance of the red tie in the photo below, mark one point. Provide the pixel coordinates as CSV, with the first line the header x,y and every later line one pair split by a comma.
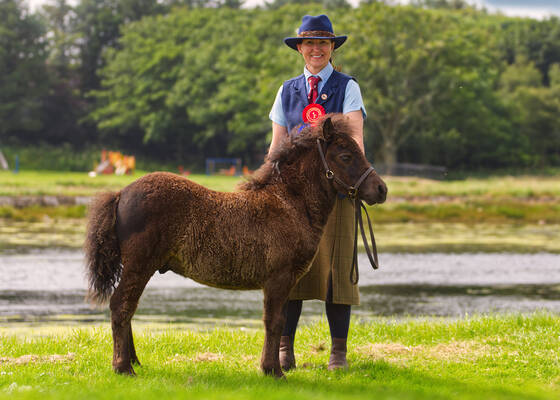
x,y
313,88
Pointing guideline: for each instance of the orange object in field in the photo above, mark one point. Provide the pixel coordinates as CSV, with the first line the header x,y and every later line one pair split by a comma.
x,y
116,162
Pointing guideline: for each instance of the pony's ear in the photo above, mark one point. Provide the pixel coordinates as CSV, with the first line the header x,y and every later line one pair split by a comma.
x,y
328,129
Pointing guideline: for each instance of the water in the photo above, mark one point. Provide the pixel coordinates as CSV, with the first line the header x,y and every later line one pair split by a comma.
x,y
43,286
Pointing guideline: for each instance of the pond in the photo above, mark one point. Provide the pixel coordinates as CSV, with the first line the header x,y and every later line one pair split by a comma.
x,y
49,286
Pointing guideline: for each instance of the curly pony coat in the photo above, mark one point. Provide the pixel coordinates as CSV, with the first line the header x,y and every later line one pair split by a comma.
x,y
261,237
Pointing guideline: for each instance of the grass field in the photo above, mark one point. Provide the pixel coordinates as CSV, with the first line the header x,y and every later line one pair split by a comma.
x,y
530,188
477,357
486,357
500,213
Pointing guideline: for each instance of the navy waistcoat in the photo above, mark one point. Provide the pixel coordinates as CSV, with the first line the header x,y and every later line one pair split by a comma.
x,y
294,97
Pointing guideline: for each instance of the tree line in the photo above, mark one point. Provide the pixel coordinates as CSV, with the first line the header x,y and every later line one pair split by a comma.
x,y
180,80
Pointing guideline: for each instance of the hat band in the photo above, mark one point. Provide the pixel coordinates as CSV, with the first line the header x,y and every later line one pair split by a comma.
x,y
316,34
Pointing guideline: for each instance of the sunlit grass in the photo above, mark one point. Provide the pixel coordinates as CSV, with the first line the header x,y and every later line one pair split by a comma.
x,y
504,213
41,183
500,186
490,357
469,211
79,183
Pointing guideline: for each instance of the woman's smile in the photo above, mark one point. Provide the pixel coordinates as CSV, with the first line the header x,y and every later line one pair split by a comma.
x,y
316,53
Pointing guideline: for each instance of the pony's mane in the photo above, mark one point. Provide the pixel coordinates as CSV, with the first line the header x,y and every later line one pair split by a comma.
x,y
291,149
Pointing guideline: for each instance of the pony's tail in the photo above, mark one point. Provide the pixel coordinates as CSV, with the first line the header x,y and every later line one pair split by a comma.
x,y
101,247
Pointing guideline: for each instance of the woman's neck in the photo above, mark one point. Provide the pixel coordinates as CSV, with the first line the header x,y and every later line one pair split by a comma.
x,y
315,71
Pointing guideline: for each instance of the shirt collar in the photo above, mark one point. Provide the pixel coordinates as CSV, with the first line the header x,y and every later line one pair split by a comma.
x,y
324,74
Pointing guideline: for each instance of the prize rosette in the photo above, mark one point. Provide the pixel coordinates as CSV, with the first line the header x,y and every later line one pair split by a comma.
x,y
312,113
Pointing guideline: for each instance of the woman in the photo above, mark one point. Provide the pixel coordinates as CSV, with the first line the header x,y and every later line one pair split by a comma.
x,y
328,91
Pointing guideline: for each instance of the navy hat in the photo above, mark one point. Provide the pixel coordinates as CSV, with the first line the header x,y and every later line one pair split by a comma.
x,y
318,27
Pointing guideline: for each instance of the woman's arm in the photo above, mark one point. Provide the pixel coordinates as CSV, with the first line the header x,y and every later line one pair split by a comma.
x,y
356,123
279,134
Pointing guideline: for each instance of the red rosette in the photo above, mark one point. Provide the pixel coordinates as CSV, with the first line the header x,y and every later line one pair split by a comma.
x,y
312,113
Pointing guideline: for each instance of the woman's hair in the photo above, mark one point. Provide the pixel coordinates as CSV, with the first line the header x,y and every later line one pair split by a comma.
x,y
337,68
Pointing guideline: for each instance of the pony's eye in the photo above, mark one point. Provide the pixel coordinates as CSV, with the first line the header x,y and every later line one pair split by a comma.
x,y
345,158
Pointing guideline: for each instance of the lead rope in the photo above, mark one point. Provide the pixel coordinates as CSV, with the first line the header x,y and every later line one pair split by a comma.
x,y
358,206
354,273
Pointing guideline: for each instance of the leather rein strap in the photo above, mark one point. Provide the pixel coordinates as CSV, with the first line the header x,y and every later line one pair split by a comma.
x,y
352,192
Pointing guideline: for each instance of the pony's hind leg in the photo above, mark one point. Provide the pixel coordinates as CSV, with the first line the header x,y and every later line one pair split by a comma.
x,y
123,305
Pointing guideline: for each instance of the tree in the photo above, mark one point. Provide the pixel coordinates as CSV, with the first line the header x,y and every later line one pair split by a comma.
x,y
427,78
207,76
64,106
23,76
327,4
534,109
200,82
443,4
532,40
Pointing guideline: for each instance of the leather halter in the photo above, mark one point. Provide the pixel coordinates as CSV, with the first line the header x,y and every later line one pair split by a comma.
x,y
352,193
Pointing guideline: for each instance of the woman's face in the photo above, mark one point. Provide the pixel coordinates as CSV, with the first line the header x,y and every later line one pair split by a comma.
x,y
316,53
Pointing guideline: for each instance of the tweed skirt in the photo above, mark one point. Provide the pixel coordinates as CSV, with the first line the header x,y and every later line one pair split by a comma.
x,y
329,275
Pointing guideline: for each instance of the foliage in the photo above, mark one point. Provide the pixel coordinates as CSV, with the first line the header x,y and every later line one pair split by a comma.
x,y
181,80
49,157
191,83
327,4
23,78
534,109
427,83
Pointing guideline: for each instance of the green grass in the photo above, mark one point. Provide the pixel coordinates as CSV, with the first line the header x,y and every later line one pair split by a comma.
x,y
469,211
41,183
525,199
500,213
482,357
533,188
525,187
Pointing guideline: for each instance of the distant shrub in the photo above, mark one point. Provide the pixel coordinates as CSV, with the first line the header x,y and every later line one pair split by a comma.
x,y
53,158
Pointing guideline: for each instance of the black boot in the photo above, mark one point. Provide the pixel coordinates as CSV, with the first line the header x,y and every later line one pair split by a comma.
x,y
287,357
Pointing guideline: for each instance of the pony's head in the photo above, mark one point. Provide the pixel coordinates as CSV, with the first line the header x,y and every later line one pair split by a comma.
x,y
344,163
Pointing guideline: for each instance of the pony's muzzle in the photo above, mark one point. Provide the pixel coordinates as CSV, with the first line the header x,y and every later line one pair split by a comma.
x,y
374,190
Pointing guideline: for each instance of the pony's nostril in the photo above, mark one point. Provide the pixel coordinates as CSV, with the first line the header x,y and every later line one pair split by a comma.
x,y
382,189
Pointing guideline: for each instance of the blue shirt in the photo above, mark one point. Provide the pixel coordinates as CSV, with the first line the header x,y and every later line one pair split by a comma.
x,y
352,96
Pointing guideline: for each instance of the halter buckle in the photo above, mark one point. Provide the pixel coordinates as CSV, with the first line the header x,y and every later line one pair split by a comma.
x,y
352,192
329,174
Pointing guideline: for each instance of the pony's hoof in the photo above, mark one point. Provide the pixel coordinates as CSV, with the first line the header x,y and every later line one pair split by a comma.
x,y
124,370
275,372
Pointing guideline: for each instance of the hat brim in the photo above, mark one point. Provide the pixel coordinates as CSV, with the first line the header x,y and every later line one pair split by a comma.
x,y
293,41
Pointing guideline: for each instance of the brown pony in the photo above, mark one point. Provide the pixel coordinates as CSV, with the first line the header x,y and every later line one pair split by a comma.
x,y
263,236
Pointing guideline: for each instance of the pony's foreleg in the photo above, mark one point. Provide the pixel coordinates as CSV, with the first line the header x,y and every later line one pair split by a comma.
x,y
123,305
133,357
276,292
